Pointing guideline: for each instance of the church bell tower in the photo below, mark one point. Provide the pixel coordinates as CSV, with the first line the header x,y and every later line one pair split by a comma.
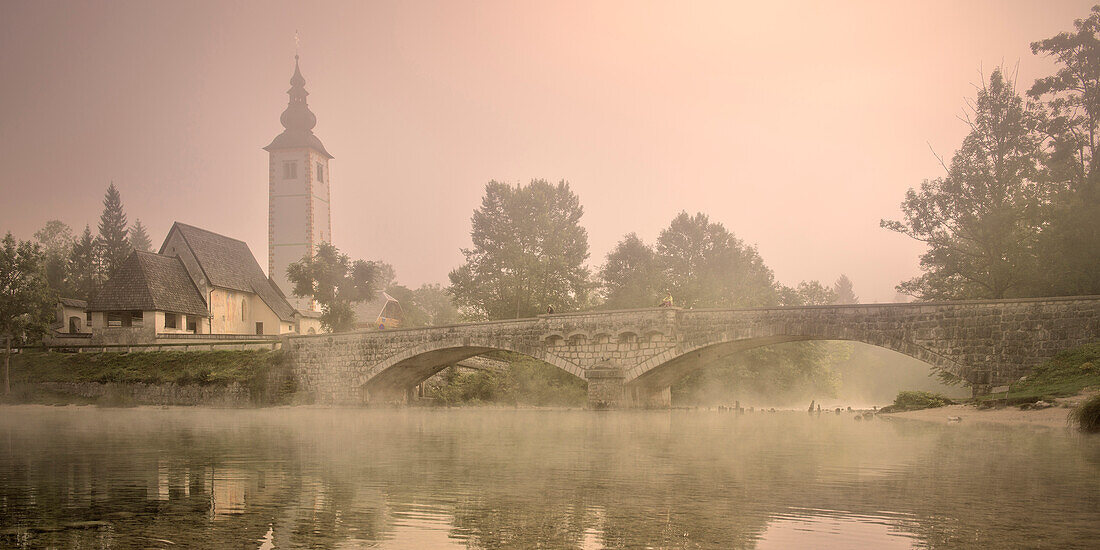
x,y
298,175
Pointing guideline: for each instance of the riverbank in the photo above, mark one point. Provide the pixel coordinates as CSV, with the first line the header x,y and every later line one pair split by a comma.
x,y
1052,417
196,378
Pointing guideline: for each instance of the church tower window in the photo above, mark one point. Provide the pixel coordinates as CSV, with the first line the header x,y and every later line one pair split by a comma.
x,y
320,172
290,170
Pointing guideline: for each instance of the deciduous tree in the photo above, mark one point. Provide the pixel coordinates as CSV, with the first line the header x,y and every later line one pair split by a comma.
x,y
631,277
26,300
982,219
336,282
704,265
56,239
1069,245
529,253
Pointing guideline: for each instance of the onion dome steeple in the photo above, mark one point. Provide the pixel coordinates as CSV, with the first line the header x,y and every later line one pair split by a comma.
x,y
297,118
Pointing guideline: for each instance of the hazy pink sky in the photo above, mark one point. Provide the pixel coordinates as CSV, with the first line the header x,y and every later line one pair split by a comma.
x,y
797,125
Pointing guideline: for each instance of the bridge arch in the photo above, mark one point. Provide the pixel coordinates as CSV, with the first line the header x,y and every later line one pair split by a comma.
x,y
413,365
666,369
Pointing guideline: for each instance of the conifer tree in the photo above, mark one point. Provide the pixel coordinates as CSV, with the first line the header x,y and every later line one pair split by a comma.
x,y
114,247
84,270
845,294
139,237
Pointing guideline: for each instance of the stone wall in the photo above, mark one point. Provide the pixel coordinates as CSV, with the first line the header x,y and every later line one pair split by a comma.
x,y
113,394
986,343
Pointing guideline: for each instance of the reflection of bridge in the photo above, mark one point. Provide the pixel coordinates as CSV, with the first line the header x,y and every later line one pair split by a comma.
x,y
631,358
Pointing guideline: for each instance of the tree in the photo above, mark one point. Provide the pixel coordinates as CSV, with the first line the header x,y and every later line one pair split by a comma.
x,y
56,240
114,246
529,252
845,294
704,265
26,301
982,219
807,293
630,276
139,237
336,282
429,305
84,270
1069,246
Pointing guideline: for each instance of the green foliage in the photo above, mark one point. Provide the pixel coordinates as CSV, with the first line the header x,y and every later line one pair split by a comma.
x,y
981,221
429,305
529,252
631,277
526,381
26,300
113,243
704,265
1066,374
84,272
218,368
1087,415
57,241
917,400
845,293
1069,245
139,237
331,278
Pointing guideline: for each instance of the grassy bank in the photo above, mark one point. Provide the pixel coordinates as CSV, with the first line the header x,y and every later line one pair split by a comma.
x,y
1068,373
251,369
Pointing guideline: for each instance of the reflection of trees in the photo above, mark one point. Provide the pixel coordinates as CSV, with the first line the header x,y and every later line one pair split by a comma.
x,y
507,479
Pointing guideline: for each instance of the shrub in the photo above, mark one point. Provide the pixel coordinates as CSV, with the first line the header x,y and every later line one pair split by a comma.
x,y
917,400
1087,415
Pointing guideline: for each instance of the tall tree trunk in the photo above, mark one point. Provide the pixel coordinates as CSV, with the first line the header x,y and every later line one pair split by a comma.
x,y
7,365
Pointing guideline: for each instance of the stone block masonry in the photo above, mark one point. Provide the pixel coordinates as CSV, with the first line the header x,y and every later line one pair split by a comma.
x,y
631,358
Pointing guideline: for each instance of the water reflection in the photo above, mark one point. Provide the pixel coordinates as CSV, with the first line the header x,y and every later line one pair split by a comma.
x,y
85,477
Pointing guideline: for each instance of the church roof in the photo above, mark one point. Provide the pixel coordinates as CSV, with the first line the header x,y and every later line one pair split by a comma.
x,y
228,263
150,282
297,119
298,140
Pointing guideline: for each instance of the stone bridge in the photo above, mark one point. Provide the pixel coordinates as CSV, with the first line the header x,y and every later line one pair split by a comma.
x,y
631,358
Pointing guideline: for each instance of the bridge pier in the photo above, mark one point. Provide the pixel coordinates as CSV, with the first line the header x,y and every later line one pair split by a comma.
x,y
605,386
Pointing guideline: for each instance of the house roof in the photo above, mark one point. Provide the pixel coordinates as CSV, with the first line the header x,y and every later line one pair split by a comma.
x,y
150,282
369,311
73,302
228,263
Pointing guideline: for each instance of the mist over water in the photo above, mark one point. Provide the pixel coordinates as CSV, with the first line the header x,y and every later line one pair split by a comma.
x,y
494,478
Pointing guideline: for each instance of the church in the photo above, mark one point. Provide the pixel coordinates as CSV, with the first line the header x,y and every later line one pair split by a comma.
x,y
204,283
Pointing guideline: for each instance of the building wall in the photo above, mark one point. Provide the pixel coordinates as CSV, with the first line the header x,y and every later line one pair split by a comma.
x,y
238,312
307,324
65,312
103,334
299,214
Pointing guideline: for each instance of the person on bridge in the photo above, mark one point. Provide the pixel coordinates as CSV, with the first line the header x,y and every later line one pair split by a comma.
x,y
549,310
667,302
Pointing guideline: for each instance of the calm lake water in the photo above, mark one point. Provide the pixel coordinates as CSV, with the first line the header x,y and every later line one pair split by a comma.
x,y
317,478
